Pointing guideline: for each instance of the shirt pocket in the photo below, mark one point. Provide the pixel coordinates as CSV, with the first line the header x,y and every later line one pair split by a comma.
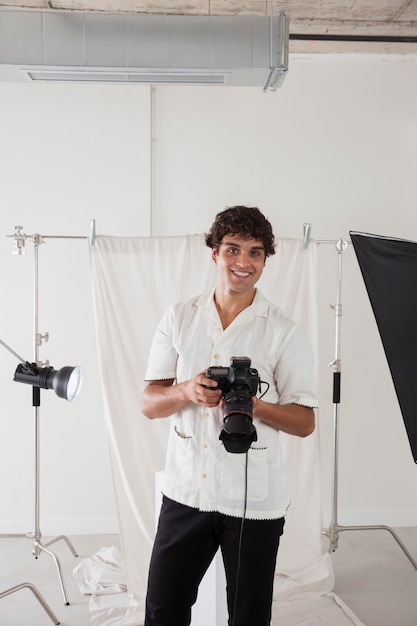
x,y
179,462
233,474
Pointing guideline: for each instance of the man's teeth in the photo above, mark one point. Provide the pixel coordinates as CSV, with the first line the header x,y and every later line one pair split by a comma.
x,y
242,273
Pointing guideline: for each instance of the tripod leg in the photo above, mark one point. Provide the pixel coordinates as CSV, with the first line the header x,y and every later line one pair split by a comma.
x,y
393,533
39,546
37,595
67,541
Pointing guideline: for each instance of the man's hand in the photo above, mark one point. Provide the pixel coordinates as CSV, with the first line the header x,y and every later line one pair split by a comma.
x,y
161,398
203,390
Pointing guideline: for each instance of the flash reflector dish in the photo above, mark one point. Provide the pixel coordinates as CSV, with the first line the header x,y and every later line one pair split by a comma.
x,y
66,382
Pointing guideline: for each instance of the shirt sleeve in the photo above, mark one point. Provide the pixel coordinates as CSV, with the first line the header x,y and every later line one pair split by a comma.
x,y
294,373
162,360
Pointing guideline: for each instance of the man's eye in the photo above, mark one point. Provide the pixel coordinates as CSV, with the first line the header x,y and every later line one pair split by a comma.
x,y
233,250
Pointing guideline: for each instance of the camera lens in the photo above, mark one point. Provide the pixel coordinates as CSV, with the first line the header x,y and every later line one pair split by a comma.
x,y
237,412
238,430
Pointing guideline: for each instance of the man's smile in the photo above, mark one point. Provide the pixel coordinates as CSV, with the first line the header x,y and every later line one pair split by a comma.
x,y
241,273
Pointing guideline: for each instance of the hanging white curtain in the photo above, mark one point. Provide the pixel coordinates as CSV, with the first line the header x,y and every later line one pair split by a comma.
x,y
134,280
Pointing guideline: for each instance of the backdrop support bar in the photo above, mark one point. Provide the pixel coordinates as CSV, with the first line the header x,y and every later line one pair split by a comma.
x,y
19,238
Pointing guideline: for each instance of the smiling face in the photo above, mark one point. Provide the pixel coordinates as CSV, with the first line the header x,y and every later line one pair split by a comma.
x,y
240,263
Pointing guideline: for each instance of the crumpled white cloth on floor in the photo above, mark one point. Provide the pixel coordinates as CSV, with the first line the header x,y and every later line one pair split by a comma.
x,y
316,579
109,610
326,610
102,573
103,577
305,598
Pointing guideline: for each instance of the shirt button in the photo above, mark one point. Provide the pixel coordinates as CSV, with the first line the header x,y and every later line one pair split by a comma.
x,y
205,445
203,475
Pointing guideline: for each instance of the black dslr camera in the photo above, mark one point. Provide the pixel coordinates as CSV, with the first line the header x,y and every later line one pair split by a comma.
x,y
238,383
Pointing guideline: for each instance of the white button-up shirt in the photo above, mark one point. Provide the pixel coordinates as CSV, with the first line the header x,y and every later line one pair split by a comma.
x,y
199,472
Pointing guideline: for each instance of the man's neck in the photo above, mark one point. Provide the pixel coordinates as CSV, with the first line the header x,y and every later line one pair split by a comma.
x,y
229,304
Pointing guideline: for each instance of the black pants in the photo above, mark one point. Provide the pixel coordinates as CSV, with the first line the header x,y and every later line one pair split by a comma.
x,y
185,545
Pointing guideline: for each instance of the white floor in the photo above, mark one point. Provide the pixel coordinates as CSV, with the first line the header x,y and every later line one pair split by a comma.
x,y
373,577
18,565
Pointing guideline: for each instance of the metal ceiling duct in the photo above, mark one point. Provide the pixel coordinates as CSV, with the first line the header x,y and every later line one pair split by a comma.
x,y
149,49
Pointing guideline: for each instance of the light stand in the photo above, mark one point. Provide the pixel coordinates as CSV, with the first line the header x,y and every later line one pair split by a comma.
x,y
334,529
66,384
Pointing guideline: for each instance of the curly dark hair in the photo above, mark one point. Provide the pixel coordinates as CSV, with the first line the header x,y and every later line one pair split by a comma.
x,y
247,222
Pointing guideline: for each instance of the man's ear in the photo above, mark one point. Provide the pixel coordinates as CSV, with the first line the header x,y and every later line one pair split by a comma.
x,y
214,255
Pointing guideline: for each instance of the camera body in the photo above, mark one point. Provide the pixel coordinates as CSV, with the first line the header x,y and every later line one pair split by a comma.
x,y
240,375
238,383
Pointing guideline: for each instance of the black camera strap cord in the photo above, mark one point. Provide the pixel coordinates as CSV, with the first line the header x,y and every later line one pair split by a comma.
x,y
263,382
243,519
241,538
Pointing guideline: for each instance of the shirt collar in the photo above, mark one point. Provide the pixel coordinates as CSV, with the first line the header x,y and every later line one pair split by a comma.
x,y
258,308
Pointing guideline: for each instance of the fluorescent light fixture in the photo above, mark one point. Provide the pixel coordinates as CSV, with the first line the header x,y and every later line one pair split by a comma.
x,y
97,75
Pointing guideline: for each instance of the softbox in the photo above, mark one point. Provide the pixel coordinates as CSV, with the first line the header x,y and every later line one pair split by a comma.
x,y
389,270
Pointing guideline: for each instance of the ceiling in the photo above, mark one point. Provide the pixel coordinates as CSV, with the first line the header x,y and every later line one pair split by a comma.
x,y
383,26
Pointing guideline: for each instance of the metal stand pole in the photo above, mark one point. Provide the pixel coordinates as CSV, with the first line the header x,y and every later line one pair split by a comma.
x,y
36,535
335,528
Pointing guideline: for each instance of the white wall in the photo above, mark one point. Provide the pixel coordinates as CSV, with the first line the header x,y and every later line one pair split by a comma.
x,y
67,154
336,146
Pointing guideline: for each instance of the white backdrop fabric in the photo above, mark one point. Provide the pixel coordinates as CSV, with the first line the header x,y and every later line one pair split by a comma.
x,y
134,279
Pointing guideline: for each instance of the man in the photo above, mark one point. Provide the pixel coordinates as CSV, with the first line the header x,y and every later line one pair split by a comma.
x,y
214,498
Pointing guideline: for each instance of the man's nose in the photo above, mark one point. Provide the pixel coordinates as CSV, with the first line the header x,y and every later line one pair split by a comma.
x,y
244,259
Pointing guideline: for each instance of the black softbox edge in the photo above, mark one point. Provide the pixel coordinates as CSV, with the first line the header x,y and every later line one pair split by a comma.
x,y
389,270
